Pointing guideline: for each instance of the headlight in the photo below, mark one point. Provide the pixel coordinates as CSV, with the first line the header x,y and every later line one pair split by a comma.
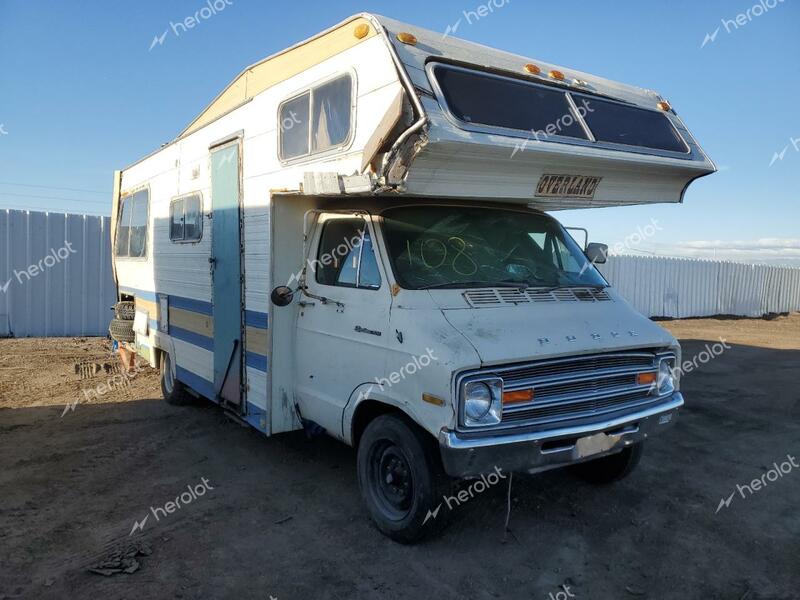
x,y
666,377
482,402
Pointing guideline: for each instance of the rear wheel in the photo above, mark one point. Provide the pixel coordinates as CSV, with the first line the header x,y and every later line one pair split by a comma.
x,y
401,478
610,468
174,391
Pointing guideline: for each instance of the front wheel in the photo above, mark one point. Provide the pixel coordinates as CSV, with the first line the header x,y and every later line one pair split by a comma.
x,y
401,479
610,468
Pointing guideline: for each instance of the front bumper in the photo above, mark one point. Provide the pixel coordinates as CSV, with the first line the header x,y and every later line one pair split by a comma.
x,y
531,452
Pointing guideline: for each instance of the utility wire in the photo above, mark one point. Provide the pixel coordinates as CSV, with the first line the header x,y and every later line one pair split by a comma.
x,y
50,187
54,198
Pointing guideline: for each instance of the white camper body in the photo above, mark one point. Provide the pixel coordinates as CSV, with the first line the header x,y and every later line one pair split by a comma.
x,y
331,136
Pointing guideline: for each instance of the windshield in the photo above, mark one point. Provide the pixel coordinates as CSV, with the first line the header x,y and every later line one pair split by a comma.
x,y
457,247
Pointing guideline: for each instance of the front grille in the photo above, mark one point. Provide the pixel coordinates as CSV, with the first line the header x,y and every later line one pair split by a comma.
x,y
578,387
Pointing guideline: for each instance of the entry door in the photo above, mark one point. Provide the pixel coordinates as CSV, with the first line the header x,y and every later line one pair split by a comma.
x,y
341,342
226,264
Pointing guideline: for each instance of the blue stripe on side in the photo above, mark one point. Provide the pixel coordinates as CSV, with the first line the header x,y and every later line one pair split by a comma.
x,y
143,294
197,383
191,337
256,319
198,306
256,361
255,415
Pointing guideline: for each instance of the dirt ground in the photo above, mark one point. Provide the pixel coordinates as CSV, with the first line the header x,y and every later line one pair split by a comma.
x,y
281,518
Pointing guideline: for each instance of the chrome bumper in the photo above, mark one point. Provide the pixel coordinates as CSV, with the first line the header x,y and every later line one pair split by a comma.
x,y
470,456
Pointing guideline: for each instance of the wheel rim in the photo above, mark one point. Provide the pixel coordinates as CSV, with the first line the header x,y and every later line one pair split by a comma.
x,y
169,379
391,480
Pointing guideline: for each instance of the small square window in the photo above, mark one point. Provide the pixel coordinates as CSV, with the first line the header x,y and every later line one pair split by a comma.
x,y
186,219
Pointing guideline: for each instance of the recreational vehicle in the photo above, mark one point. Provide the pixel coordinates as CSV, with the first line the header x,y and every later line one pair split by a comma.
x,y
355,237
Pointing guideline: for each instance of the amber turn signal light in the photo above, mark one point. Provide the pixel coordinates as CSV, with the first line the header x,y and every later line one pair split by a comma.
x,y
665,106
532,69
557,75
646,378
518,396
361,31
407,38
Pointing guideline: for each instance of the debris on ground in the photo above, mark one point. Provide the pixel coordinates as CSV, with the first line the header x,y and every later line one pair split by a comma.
x,y
122,560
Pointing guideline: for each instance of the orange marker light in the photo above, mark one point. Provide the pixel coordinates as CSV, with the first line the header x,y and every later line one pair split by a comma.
x,y
557,75
532,69
407,38
646,378
664,105
361,31
518,396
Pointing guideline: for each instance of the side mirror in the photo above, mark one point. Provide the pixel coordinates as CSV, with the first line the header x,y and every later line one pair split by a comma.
x,y
597,253
282,296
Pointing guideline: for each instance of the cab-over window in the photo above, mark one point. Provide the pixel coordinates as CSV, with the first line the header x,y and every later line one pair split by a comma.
x,y
317,120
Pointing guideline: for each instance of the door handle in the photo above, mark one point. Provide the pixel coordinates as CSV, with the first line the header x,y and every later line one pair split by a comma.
x,y
305,304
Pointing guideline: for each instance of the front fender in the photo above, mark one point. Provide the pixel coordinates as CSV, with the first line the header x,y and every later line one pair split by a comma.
x,y
394,397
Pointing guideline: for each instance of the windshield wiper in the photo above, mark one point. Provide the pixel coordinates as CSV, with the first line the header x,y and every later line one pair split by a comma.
x,y
553,288
522,286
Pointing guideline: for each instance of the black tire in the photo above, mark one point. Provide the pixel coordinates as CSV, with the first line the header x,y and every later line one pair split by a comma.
x,y
174,391
610,468
125,311
122,331
401,479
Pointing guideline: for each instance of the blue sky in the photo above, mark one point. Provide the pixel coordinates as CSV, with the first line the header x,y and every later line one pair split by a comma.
x,y
82,93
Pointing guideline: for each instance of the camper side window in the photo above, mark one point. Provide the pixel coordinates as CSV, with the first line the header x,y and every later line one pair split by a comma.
x,y
132,226
316,121
186,219
346,257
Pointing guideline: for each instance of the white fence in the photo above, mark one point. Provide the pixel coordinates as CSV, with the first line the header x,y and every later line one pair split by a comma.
x,y
680,287
55,274
55,279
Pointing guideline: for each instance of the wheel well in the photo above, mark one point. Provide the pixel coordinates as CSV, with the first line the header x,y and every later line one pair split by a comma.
x,y
365,413
158,354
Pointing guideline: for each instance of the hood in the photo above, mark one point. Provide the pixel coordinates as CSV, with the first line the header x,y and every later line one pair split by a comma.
x,y
526,332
